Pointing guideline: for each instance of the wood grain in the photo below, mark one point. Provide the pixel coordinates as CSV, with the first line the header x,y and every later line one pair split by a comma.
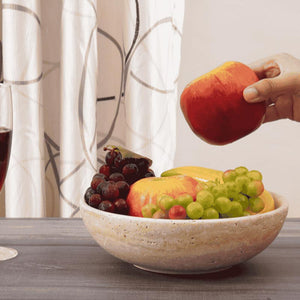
x,y
59,260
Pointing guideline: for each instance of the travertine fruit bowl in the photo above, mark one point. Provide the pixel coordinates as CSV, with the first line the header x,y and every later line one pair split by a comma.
x,y
184,246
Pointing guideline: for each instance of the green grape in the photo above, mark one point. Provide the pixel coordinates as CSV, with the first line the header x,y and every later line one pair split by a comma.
x,y
229,175
223,205
254,188
165,202
219,191
256,204
255,175
194,210
242,182
246,213
210,213
205,198
232,189
223,216
160,214
241,171
184,200
236,210
243,200
204,186
210,185
148,210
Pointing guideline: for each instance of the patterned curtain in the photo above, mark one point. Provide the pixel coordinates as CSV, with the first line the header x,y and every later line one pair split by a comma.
x,y
86,73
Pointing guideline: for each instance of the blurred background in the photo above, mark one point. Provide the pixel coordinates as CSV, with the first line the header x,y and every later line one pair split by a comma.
x,y
216,31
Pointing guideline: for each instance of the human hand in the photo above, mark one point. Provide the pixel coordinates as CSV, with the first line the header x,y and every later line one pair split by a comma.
x,y
279,87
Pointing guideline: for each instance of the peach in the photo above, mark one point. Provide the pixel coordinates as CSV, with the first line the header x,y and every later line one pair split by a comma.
x,y
147,190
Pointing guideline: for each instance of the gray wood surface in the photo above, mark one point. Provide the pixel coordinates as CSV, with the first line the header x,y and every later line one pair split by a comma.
x,y
59,260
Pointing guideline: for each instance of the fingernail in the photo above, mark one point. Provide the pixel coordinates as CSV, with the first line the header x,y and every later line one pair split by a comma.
x,y
251,93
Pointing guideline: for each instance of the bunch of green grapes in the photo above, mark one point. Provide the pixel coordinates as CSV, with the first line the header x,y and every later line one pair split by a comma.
x,y
234,197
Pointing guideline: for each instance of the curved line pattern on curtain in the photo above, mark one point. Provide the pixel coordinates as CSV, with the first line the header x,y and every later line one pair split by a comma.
x,y
86,73
80,100
136,31
23,9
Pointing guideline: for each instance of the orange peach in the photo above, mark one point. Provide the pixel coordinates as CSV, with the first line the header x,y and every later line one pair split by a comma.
x,y
147,190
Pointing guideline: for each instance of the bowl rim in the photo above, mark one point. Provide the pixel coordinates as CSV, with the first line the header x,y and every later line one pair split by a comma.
x,y
282,207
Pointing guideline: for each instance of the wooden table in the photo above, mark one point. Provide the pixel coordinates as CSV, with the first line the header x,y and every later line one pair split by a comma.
x,y
59,260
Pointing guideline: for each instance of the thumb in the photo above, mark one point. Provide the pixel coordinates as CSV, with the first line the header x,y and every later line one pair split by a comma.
x,y
271,87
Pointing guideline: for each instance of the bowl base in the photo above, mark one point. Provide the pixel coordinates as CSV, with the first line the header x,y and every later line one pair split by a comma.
x,y
181,272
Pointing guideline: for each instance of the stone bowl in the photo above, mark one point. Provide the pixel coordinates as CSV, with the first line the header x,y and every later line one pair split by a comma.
x,y
184,246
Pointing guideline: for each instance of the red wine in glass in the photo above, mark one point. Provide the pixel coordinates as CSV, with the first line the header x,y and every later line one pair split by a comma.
x,y
5,144
6,127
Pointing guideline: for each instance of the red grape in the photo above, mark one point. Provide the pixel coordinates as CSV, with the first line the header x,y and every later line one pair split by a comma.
x,y
149,173
177,212
105,169
107,206
110,190
100,175
99,187
116,177
111,155
114,169
95,200
96,181
143,165
121,206
119,162
129,160
130,170
89,192
123,187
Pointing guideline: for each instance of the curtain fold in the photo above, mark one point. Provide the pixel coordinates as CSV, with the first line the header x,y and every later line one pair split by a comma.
x,y
22,67
86,73
151,74
78,106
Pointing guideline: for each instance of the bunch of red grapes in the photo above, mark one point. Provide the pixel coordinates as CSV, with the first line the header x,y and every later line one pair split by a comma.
x,y
109,188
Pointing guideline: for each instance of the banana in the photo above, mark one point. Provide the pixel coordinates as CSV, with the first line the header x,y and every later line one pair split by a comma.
x,y
201,174
269,203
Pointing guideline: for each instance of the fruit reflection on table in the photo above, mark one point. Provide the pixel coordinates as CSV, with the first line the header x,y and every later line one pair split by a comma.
x,y
126,185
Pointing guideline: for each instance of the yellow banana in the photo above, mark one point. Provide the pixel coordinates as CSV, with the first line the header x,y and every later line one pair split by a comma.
x,y
269,203
199,173
202,174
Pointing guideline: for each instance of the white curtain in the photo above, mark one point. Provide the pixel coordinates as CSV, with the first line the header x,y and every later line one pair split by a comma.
x,y
86,73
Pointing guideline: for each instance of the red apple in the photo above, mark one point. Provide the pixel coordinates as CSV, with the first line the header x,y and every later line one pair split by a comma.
x,y
214,107
147,190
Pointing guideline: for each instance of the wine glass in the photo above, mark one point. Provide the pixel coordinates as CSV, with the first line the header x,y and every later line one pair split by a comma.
x,y
6,126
